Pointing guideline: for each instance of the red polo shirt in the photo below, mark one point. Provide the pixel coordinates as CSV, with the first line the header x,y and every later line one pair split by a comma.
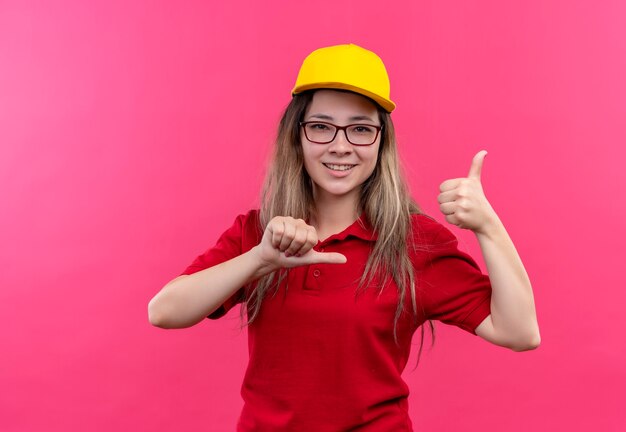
x,y
323,359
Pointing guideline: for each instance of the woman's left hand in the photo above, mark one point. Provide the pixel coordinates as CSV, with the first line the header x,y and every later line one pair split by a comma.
x,y
463,201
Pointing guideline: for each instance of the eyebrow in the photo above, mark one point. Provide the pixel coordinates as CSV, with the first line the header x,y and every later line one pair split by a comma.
x,y
353,118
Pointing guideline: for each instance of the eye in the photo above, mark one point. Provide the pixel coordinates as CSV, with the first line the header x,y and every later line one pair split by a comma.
x,y
318,126
363,129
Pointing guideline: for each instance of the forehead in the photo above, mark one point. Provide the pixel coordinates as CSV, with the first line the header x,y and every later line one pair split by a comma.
x,y
341,105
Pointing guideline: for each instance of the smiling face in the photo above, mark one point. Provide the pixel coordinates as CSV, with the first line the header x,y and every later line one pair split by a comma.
x,y
338,169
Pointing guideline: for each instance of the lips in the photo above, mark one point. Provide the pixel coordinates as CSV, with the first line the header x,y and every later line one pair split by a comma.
x,y
339,167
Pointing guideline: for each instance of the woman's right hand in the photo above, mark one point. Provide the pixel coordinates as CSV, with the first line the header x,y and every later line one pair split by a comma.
x,y
288,242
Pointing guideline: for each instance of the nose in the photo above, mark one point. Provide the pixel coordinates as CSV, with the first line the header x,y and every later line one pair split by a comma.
x,y
340,144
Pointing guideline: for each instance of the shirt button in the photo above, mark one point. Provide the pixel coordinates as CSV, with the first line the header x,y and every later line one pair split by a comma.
x,y
316,272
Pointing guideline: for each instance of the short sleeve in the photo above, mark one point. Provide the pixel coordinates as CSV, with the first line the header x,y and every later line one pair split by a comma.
x,y
229,245
455,290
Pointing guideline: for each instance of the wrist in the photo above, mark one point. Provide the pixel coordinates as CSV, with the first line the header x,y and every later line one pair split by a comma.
x,y
261,265
490,228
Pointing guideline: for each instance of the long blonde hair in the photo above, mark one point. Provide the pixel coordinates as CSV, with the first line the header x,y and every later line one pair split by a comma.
x,y
384,197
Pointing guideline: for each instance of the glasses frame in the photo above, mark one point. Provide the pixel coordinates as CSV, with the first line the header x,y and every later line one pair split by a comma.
x,y
344,129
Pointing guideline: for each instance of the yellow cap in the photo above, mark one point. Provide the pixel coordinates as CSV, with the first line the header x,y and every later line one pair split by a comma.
x,y
346,67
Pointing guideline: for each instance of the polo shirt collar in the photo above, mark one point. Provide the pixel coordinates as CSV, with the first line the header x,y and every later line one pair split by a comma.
x,y
361,228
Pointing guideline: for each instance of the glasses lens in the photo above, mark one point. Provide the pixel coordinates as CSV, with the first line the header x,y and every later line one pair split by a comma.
x,y
320,132
361,134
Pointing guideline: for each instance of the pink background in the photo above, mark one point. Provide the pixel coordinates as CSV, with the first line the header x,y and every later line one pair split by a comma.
x,y
131,135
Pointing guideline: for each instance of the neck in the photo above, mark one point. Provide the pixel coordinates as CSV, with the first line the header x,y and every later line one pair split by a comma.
x,y
333,214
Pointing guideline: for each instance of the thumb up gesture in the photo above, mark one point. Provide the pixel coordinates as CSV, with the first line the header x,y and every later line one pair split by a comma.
x,y
463,201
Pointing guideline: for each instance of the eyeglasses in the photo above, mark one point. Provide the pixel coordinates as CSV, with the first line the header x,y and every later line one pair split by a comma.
x,y
357,134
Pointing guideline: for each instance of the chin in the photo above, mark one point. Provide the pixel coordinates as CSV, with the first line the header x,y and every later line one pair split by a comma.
x,y
337,190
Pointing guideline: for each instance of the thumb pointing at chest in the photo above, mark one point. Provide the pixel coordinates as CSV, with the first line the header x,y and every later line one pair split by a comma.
x,y
315,257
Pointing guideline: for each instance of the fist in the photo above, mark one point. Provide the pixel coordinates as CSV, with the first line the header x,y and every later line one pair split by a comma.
x,y
289,242
463,201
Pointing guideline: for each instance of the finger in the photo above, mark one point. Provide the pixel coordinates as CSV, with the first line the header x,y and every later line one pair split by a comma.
x,y
451,218
449,184
290,232
299,239
311,241
448,196
313,235
277,228
448,208
477,164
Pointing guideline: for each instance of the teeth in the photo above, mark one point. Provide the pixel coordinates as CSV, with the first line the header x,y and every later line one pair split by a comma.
x,y
339,167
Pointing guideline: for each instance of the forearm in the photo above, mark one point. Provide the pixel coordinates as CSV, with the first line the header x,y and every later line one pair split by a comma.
x,y
513,312
186,301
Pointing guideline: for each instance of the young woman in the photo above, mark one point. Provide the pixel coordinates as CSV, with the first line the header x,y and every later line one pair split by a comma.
x,y
339,267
